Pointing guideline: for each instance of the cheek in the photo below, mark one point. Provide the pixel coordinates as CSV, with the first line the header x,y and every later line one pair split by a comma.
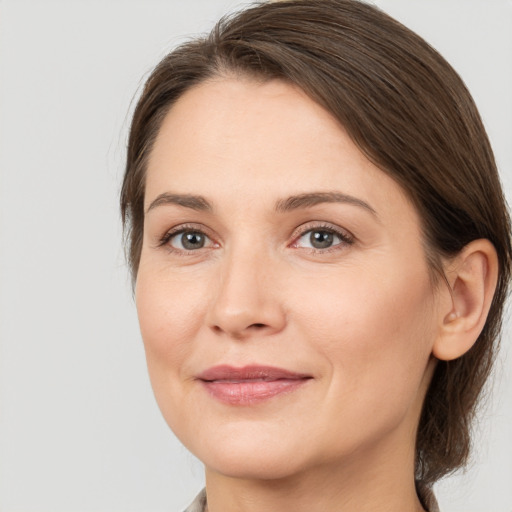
x,y
374,330
169,309
374,337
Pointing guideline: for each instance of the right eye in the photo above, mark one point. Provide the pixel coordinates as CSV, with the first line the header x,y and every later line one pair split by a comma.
x,y
188,240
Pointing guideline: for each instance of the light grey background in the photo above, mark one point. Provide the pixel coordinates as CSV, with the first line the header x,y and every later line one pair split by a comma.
x,y
79,428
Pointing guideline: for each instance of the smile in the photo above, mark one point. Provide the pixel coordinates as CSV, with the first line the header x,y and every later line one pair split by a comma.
x,y
251,384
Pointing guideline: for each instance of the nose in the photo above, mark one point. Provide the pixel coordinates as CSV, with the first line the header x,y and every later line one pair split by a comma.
x,y
246,299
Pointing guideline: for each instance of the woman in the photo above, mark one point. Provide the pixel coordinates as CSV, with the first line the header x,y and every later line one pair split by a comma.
x,y
321,253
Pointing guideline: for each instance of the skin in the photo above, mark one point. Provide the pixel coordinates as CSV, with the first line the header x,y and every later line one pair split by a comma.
x,y
360,317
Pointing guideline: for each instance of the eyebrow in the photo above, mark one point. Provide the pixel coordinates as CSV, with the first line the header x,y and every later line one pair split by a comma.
x,y
308,200
193,202
314,198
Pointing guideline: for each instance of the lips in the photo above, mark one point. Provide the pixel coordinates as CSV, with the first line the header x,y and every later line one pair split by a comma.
x,y
251,384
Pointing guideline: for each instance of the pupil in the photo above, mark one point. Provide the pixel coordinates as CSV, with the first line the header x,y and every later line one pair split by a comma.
x,y
192,240
321,239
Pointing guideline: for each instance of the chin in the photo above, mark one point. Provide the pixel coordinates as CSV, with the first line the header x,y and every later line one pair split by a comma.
x,y
250,456
253,466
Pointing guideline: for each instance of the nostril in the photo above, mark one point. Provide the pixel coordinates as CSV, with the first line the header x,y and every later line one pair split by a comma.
x,y
257,326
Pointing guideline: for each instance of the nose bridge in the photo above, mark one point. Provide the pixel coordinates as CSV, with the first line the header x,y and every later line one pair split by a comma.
x,y
245,300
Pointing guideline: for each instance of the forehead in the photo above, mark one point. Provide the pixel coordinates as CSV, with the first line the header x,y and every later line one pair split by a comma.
x,y
232,138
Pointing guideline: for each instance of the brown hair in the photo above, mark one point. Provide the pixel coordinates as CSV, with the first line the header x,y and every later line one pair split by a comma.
x,y
409,113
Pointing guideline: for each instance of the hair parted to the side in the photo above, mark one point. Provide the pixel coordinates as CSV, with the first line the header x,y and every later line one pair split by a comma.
x,y
409,113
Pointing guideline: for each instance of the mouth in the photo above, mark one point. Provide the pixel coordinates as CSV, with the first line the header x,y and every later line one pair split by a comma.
x,y
250,385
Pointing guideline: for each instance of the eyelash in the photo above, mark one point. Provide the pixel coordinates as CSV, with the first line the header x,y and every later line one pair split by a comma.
x,y
345,237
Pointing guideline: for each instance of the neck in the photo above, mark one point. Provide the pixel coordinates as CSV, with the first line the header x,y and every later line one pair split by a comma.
x,y
378,479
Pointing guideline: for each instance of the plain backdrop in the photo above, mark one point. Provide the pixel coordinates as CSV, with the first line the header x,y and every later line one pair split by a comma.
x,y
79,428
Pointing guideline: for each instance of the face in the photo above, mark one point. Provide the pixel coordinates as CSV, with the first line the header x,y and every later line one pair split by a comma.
x,y
283,293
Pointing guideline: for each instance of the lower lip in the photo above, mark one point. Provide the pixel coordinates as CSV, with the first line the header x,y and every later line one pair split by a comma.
x,y
251,392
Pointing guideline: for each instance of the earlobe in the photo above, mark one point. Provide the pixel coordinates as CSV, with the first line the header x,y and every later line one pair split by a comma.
x,y
472,276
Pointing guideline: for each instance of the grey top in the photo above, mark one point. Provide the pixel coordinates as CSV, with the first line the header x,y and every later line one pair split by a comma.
x,y
427,498
199,504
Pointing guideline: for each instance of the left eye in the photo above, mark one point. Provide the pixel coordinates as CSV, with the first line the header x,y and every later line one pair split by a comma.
x,y
319,239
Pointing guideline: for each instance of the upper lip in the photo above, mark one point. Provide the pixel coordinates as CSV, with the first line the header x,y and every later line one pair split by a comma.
x,y
248,373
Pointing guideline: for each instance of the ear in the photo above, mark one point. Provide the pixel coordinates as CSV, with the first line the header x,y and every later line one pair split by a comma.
x,y
472,276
